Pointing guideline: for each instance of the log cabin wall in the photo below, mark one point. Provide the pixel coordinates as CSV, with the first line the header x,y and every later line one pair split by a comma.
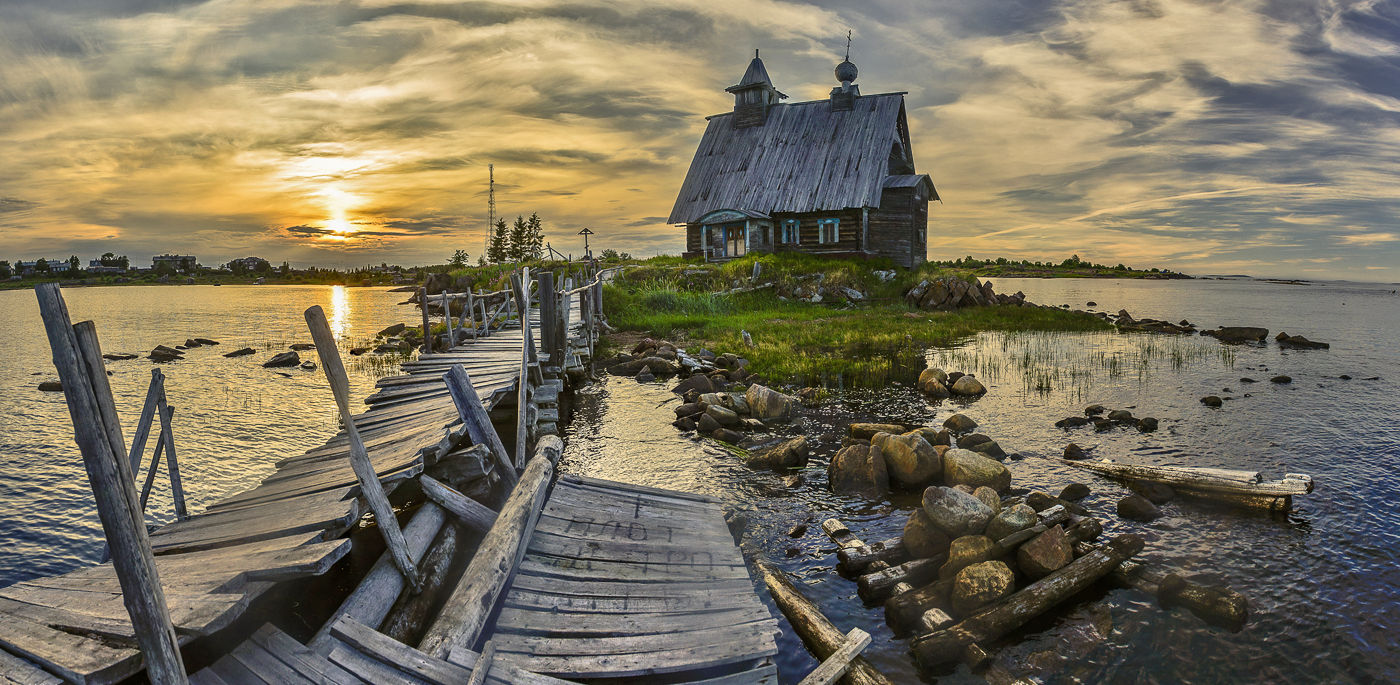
x,y
810,233
895,226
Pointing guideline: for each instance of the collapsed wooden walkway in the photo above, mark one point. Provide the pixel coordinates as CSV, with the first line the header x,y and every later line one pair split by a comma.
x,y
575,579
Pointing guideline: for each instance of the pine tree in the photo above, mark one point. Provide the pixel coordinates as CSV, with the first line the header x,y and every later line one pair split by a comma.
x,y
517,249
498,251
533,247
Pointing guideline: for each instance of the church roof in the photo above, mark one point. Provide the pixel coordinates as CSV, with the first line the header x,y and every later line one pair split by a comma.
x,y
804,158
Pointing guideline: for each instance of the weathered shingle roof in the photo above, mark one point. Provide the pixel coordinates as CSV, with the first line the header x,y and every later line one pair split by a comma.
x,y
805,158
911,180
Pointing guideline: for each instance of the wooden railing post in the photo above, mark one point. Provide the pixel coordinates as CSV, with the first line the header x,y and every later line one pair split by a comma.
x,y
78,358
548,325
172,466
469,313
370,487
427,330
143,426
476,420
523,383
447,319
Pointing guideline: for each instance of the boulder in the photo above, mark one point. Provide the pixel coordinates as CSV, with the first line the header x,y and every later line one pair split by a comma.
x,y
955,512
243,351
930,435
967,386
989,449
865,431
1094,410
645,375
989,497
1238,334
1281,379
706,423
1045,553
767,404
725,417
283,359
689,409
206,341
965,467
1137,508
1102,425
732,437
356,351
965,551
859,469
959,423
631,368
308,365
1011,519
711,399
967,441
302,347
1147,424
738,403
1211,401
1074,492
51,386
789,454
191,342
1120,415
392,330
1298,342
1156,493
981,584
1071,422
699,382
1040,501
922,539
684,423
161,353
910,460
931,384
1073,451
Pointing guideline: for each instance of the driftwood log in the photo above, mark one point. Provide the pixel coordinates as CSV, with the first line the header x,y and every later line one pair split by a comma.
x,y
412,610
819,635
876,586
854,560
1216,605
950,644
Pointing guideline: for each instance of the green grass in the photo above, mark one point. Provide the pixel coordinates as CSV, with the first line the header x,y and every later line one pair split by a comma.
x,y
809,344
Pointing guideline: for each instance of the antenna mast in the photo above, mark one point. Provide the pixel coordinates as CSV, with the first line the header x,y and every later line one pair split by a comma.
x,y
490,207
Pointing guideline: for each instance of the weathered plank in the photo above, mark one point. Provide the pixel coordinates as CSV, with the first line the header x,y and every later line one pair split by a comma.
x,y
400,655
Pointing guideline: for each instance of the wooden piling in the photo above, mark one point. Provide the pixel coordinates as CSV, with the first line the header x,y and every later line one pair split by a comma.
x,y
427,330
447,319
78,359
549,325
370,487
469,313
143,425
523,387
477,421
172,465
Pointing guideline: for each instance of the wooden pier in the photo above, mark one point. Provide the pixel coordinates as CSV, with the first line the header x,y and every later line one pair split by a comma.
x,y
573,578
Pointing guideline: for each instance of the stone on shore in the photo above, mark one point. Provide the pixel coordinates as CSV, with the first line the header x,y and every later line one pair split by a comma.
x,y
955,512
981,584
645,375
866,431
732,437
658,365
698,382
965,551
789,454
968,386
689,409
1212,401
910,460
959,423
965,467
1074,452
1045,553
283,359
967,441
930,435
706,424
922,539
989,497
392,330
931,385
859,469
1074,492
1016,517
990,449
722,416
1137,508
767,404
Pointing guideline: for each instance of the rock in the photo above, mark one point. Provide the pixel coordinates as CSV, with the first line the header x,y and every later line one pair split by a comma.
x,y
1215,604
1094,410
1251,380
1298,342
1011,519
689,409
989,449
161,353
967,385
794,481
865,431
909,459
191,342
722,416
1147,424
931,383
1040,501
1091,303
859,469
1238,334
1211,401
1281,379
706,424
964,467
357,351
789,454
1071,422
1137,508
954,376
1045,553
119,356
767,404
699,382
981,584
726,435
1120,416
800,529
810,397
1102,425
965,551
308,365
302,347
1074,492
51,386
243,351
645,375
1073,451
392,330
738,403
922,539
967,441
684,423
658,366
989,497
959,423
954,512
1156,493
283,359
930,435
206,341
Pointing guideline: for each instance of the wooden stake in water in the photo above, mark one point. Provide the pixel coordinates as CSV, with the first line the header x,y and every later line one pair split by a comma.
x,y
143,426
477,421
167,438
523,386
370,486
427,330
78,359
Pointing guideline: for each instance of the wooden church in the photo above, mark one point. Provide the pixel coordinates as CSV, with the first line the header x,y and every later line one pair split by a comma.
x,y
833,177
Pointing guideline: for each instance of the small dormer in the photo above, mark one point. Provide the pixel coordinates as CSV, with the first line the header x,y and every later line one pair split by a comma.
x,y
753,95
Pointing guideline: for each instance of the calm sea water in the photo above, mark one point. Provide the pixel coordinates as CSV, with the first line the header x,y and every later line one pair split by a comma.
x,y
233,418
1323,581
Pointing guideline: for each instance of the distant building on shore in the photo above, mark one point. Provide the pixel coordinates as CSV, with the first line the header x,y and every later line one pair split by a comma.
x,y
252,264
96,266
179,263
56,266
833,176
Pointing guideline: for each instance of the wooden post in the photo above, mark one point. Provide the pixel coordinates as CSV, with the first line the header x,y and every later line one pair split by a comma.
x,y
523,383
427,330
485,325
463,616
473,514
78,359
447,319
370,486
151,472
470,312
821,637
549,330
477,421
172,466
143,426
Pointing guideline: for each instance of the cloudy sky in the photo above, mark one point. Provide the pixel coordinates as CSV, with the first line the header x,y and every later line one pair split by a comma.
x,y
1211,137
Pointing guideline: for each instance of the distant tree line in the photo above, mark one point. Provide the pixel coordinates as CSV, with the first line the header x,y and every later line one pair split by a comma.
x,y
1072,262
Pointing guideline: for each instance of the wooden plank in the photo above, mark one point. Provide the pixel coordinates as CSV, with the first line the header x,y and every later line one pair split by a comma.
x,y
565,567
766,673
502,670
622,657
300,657
475,515
464,614
839,662
368,668
74,658
707,599
483,664
623,552
233,672
573,478
23,672
265,666
568,625
403,657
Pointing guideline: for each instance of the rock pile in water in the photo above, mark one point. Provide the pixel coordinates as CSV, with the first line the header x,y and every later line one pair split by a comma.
x,y
949,292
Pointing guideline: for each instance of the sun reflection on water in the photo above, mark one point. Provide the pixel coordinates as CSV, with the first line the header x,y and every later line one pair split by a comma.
x,y
340,311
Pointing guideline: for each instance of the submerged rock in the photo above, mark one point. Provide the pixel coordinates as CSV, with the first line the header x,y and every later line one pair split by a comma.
x,y
1073,451
356,351
1281,379
1147,424
1074,492
283,359
51,386
1156,493
1120,416
1211,401
1071,422
1094,410
859,469
308,365
1298,342
1138,508
726,435
1238,334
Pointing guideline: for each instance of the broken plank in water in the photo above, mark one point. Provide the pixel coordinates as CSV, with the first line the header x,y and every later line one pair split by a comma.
x,y
391,651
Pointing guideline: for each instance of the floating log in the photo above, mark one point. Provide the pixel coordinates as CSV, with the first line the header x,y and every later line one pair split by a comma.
x,y
1240,487
837,664
1011,613
854,560
819,635
874,587
411,611
1216,605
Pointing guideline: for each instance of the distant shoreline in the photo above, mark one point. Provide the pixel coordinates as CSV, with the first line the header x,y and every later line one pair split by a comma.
x,y
29,283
